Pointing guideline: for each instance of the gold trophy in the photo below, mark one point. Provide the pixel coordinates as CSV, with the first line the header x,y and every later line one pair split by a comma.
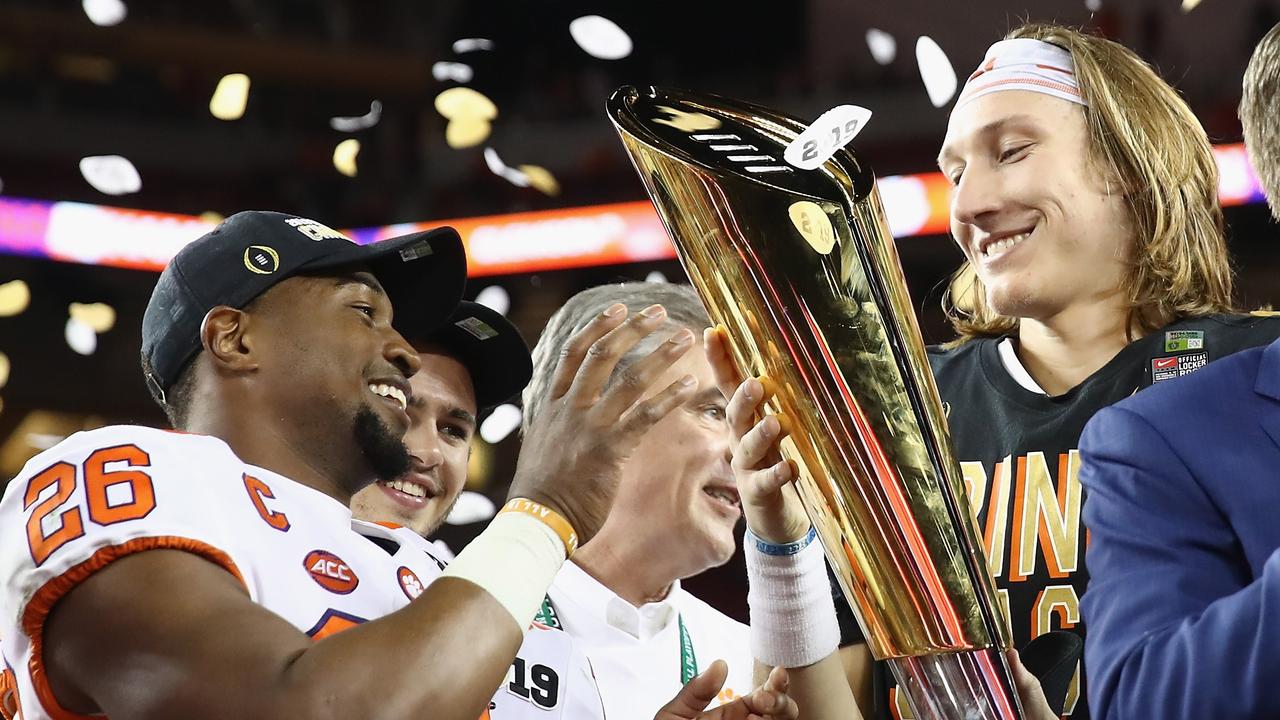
x,y
800,267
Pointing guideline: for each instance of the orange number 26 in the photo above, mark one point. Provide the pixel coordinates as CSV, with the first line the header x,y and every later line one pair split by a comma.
x,y
97,481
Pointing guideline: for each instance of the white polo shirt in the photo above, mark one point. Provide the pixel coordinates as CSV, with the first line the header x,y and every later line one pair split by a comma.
x,y
636,653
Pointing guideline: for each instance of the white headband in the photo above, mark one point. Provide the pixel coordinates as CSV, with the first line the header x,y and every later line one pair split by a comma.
x,y
1024,64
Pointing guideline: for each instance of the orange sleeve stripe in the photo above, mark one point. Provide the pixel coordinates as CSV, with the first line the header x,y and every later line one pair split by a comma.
x,y
38,608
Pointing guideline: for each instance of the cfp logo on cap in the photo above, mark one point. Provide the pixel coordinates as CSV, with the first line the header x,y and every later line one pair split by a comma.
x,y
315,230
261,259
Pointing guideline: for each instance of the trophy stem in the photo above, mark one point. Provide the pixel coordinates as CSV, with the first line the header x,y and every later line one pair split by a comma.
x,y
973,685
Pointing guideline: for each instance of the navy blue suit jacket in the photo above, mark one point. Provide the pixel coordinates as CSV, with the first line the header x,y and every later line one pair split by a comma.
x,y
1183,506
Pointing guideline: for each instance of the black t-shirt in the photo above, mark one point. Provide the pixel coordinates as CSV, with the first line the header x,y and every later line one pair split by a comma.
x,y
1018,450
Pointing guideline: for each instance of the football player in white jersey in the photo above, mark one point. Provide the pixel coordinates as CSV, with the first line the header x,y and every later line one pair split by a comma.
x,y
474,362
153,574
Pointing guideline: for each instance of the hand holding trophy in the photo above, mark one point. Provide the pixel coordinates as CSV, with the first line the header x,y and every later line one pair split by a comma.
x,y
800,268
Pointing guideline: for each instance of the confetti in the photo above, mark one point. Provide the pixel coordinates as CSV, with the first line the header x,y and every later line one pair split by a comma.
x,y
830,132
936,71
655,277
105,12
495,298
359,122
81,337
467,45
111,174
100,317
455,71
463,103
501,422
466,133
540,178
14,298
499,168
344,156
471,507
230,97
600,37
882,46
4,369
1189,5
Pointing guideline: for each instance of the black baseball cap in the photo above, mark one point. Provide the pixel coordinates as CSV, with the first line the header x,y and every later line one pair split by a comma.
x,y
490,348
249,252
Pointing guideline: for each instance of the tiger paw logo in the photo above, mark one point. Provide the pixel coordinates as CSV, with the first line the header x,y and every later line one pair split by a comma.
x,y
409,583
330,572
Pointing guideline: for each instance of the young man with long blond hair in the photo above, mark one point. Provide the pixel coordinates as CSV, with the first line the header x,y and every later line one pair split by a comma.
x,y
1182,497
1085,202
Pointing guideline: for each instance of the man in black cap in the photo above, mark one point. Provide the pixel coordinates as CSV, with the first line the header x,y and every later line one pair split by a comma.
x,y
155,574
472,363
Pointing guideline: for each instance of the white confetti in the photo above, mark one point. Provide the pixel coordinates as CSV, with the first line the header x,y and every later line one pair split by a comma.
x,y
455,71
81,337
471,507
359,122
495,298
1189,5
882,46
501,422
466,45
830,132
936,71
105,12
111,174
499,168
491,159
600,37
655,277
1093,5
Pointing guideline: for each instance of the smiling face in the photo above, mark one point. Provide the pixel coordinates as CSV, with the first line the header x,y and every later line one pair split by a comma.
x,y
329,360
677,489
442,417
1040,221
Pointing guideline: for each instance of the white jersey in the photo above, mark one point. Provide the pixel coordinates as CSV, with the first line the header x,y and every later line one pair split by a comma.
x,y
104,494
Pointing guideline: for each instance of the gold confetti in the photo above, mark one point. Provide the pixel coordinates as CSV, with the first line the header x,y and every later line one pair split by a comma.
x,y
467,132
463,103
98,316
14,298
230,97
4,369
541,178
1189,5
211,217
344,156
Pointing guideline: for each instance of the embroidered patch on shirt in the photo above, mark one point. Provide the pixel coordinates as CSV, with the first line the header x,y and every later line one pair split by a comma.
x,y
1167,368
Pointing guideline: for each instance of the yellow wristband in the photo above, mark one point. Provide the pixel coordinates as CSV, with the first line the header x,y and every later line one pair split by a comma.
x,y
549,517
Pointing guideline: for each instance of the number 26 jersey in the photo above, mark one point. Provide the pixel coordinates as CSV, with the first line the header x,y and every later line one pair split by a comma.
x,y
104,494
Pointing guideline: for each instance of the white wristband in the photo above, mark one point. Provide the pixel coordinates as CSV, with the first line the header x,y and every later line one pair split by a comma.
x,y
793,618
514,560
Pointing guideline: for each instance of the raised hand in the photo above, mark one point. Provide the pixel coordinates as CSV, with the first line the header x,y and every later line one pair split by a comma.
x,y
767,702
574,450
769,501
